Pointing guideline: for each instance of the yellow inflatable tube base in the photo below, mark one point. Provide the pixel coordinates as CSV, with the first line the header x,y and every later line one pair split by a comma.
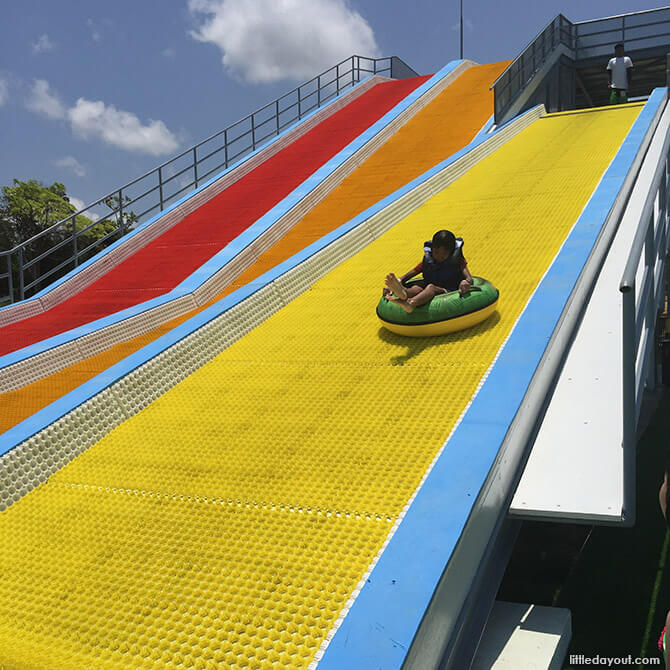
x,y
441,327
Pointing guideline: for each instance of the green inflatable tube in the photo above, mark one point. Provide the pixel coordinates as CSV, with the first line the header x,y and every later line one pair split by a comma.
x,y
445,313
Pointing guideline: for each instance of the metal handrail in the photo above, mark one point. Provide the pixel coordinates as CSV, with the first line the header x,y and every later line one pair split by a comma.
x,y
619,16
325,86
511,83
619,25
509,86
525,49
639,308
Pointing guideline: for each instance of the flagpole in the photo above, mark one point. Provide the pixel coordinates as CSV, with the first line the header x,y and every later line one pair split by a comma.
x,y
461,29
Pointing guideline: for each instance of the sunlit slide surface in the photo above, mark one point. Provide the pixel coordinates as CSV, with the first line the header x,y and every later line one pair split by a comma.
x,y
441,128
229,521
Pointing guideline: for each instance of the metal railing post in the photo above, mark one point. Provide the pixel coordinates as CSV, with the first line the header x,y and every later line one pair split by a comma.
x,y
10,279
195,167
337,79
160,186
352,69
253,133
662,197
277,113
122,223
299,106
629,398
650,311
534,59
318,91
225,147
74,240
21,278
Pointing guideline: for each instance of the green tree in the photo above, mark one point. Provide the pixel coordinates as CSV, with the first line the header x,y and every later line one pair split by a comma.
x,y
29,209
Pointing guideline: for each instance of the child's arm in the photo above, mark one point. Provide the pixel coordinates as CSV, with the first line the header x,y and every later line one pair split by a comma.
x,y
412,273
467,282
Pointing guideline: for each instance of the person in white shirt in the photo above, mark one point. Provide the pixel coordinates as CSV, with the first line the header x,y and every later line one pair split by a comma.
x,y
620,71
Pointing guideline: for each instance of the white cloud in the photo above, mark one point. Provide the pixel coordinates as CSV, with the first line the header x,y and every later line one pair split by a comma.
x,y
168,53
76,203
44,101
120,129
79,205
269,40
95,119
95,33
71,163
43,44
4,92
467,24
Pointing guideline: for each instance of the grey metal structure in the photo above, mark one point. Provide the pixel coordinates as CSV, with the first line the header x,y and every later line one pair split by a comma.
x,y
642,286
152,192
565,63
515,79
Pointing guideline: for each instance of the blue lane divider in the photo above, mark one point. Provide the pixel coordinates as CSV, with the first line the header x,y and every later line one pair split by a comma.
x,y
233,248
183,199
382,622
47,415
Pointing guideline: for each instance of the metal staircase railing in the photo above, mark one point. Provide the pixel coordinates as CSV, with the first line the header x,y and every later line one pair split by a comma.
x,y
587,41
638,31
21,267
511,83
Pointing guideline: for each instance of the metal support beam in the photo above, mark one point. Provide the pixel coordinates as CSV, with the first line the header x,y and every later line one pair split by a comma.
x,y
580,83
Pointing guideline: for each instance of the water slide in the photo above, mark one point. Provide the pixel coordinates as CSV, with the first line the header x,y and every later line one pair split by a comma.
x,y
160,265
250,514
443,126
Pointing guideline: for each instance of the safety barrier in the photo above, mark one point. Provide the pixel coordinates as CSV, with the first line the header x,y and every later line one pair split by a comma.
x,y
643,289
585,41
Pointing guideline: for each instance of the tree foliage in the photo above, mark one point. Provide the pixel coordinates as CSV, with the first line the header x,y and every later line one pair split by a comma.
x,y
30,210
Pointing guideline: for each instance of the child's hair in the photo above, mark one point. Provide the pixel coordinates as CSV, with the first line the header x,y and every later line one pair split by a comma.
x,y
444,239
618,46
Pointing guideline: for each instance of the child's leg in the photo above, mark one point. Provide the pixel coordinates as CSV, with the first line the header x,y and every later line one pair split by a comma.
x,y
421,298
410,291
393,284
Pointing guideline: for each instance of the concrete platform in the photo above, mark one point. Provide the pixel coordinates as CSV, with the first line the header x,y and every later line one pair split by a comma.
x,y
524,637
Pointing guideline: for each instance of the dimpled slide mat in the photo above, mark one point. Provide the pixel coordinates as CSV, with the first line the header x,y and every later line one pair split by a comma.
x,y
227,523
441,128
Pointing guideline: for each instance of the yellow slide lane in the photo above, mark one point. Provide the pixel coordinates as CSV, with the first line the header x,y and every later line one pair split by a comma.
x,y
227,523
440,129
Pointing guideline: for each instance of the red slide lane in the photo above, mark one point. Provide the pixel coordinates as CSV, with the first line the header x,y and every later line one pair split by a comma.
x,y
166,261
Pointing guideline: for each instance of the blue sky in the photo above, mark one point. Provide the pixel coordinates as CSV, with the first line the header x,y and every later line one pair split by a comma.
x,y
93,94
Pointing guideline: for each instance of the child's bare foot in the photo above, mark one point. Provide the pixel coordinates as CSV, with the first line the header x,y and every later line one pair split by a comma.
x,y
395,286
406,305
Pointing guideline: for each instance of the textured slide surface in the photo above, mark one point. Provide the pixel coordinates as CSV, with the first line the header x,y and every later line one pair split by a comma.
x,y
440,129
229,521
162,264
